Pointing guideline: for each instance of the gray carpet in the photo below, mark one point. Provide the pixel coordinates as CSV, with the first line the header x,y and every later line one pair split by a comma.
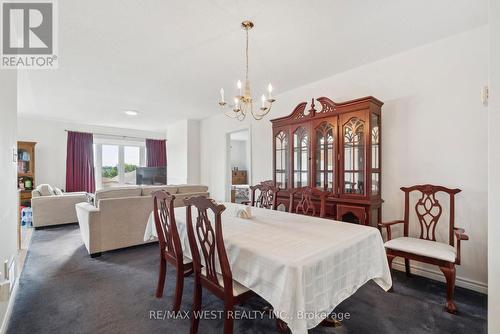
x,y
63,290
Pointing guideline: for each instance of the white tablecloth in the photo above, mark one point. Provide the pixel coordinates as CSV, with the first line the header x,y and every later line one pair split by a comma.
x,y
303,266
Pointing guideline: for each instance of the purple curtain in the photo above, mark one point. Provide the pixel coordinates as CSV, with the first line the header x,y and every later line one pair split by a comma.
x,y
80,162
156,152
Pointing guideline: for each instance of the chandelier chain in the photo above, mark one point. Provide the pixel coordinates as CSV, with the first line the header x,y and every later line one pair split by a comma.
x,y
246,74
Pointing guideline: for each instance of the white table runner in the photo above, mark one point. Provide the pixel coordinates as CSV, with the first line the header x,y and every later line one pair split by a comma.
x,y
303,266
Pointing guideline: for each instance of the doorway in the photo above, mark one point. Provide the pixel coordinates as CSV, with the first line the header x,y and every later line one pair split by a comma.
x,y
239,166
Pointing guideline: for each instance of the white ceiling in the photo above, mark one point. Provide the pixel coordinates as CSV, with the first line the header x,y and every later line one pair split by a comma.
x,y
168,59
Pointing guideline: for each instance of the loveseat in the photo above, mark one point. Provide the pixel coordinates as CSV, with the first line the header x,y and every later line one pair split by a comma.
x,y
118,216
53,207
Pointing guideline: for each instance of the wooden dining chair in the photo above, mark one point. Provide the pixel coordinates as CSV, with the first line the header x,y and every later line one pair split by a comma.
x,y
203,239
306,205
425,247
264,195
170,246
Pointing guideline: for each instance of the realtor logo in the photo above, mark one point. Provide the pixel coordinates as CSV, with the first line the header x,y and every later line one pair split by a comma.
x,y
28,34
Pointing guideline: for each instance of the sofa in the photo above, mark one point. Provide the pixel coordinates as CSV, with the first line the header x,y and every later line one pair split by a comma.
x,y
53,207
118,217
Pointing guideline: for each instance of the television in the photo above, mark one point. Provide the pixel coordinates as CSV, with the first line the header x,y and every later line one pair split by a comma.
x,y
151,175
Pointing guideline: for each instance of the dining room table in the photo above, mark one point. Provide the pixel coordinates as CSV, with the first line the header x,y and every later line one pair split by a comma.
x,y
303,266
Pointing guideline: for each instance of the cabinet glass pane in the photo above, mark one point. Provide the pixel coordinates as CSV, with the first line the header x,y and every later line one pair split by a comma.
x,y
325,154
281,158
354,183
375,139
300,158
375,134
375,183
354,156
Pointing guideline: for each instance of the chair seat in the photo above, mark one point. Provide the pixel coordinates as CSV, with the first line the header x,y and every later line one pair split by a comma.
x,y
238,289
432,249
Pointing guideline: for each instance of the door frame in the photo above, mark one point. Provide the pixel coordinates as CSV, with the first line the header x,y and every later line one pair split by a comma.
x,y
227,172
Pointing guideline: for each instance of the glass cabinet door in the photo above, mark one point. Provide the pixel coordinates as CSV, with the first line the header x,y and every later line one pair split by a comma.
x,y
281,159
354,156
300,158
325,157
375,142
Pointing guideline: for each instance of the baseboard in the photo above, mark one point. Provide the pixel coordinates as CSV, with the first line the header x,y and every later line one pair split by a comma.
x,y
436,275
6,318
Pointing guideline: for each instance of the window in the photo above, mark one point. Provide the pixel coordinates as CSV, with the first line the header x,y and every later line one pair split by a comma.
x,y
110,165
132,161
116,161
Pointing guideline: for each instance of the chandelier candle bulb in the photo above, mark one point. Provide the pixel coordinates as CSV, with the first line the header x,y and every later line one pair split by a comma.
x,y
263,98
222,95
270,89
238,84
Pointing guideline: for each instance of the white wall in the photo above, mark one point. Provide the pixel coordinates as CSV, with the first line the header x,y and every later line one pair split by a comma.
x,y
183,152
193,162
239,154
51,145
434,131
8,176
494,173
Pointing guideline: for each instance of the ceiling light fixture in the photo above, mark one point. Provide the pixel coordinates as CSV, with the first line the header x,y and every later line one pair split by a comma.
x,y
243,102
131,112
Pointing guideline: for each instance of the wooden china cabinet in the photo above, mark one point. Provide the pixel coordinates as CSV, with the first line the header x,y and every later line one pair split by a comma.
x,y
336,149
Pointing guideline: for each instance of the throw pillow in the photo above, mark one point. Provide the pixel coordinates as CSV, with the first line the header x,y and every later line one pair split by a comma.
x,y
58,191
45,190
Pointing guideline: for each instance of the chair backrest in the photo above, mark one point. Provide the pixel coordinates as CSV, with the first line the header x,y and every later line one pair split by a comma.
x,y
266,197
166,228
306,205
428,210
202,237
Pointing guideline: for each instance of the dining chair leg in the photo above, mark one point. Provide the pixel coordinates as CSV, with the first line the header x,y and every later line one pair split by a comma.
x,y
179,286
195,317
407,267
282,327
450,275
228,317
161,278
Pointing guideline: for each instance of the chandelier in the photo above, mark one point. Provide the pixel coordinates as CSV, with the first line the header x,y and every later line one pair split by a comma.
x,y
244,102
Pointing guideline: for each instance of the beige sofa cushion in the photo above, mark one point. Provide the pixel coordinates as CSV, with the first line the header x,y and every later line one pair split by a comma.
x,y
189,188
118,192
149,190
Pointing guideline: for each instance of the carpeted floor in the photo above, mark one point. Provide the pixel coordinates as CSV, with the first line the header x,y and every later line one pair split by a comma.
x,y
63,290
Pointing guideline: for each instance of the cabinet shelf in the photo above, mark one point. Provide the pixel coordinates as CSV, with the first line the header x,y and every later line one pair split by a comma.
x,y
26,170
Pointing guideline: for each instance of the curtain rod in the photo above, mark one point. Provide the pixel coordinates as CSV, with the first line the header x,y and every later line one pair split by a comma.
x,y
110,135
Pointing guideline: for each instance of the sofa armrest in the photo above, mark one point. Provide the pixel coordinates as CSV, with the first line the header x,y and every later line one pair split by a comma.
x,y
76,193
88,217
